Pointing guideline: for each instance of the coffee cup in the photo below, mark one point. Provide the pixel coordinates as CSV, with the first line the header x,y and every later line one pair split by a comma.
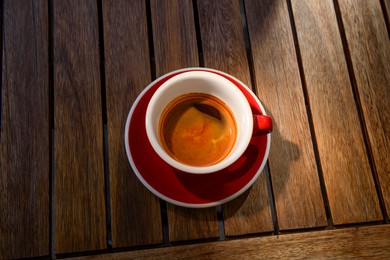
x,y
200,122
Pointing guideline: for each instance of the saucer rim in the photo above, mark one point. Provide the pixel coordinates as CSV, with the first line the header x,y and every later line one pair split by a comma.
x,y
168,199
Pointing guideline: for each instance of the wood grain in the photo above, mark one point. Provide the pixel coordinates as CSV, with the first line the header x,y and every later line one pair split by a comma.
x,y
24,137
368,43
175,47
386,10
370,242
223,39
297,192
135,212
174,35
250,213
223,46
80,222
347,174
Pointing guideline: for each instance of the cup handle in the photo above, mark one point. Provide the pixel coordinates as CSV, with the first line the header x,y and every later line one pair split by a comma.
x,y
262,124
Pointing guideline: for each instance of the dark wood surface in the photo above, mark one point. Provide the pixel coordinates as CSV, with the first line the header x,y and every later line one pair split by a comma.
x,y
369,65
342,154
71,71
364,242
135,212
293,168
25,131
79,208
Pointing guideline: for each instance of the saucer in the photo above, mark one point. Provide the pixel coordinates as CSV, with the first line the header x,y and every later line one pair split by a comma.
x,y
185,189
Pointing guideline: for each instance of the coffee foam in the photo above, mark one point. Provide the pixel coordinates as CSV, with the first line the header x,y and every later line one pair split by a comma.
x,y
197,129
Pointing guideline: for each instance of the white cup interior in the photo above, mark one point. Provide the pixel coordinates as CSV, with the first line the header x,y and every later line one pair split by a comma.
x,y
208,83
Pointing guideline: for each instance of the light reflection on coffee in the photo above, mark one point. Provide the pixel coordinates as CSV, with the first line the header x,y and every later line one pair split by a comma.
x,y
197,129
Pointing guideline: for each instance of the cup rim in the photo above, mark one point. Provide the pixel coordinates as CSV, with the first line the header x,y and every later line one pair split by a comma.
x,y
240,145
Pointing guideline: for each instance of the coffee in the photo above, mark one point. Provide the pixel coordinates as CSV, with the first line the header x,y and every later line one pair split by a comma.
x,y
197,129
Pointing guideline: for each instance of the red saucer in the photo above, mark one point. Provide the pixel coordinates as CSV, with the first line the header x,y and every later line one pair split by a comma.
x,y
185,189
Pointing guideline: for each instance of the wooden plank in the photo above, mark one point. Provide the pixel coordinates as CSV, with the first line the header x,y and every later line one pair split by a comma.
x,y
386,10
293,170
175,47
174,35
250,213
24,137
368,43
347,174
191,224
223,39
135,212
223,46
80,223
371,242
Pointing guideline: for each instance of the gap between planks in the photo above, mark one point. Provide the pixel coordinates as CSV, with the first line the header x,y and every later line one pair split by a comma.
x,y
367,241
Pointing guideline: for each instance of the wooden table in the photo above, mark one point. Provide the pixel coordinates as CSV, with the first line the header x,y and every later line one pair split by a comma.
x,y
72,69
